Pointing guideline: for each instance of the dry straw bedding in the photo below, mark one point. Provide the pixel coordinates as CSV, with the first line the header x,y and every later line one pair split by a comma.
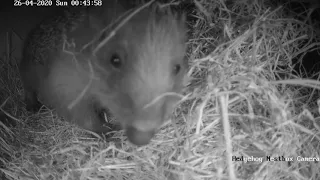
x,y
243,100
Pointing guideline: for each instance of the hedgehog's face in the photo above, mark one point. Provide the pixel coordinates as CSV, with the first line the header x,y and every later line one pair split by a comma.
x,y
142,68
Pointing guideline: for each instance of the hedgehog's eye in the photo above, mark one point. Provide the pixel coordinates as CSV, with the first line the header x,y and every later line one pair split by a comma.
x,y
116,61
176,69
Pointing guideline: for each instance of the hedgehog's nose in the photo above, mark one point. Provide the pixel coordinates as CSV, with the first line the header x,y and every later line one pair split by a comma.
x,y
139,137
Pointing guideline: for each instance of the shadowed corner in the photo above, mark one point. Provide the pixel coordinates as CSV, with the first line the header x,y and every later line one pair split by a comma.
x,y
6,121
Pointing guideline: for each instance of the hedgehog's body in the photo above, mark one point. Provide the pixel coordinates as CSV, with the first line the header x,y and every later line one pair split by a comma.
x,y
143,60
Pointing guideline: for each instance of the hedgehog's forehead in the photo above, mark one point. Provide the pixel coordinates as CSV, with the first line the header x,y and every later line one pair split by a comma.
x,y
159,40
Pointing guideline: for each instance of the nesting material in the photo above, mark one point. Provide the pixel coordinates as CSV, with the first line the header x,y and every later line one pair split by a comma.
x,y
246,114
